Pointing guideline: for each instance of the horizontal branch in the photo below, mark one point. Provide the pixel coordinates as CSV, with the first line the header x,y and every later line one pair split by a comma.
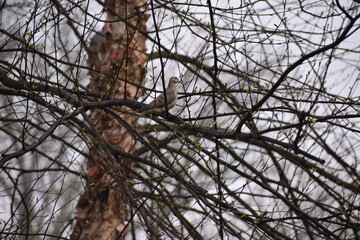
x,y
40,140
251,138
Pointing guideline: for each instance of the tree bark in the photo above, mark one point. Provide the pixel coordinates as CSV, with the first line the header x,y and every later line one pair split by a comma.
x,y
117,57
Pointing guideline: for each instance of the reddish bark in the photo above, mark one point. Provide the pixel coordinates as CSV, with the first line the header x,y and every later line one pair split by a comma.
x,y
117,57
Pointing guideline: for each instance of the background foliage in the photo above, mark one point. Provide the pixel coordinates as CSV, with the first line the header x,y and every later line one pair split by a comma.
x,y
263,143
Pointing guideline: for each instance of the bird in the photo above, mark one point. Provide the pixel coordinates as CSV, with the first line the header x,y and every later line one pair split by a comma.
x,y
160,104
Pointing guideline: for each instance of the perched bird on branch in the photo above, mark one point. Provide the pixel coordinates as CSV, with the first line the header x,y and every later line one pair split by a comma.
x,y
165,101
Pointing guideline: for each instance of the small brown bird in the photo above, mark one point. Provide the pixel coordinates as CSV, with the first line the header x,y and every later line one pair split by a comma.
x,y
158,105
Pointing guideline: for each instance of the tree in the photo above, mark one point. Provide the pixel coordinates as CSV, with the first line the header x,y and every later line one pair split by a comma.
x,y
263,142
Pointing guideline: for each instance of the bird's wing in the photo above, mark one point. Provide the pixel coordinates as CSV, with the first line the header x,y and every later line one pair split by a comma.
x,y
159,102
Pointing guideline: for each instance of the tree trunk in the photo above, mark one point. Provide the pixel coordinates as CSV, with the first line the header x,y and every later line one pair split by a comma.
x,y
117,58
